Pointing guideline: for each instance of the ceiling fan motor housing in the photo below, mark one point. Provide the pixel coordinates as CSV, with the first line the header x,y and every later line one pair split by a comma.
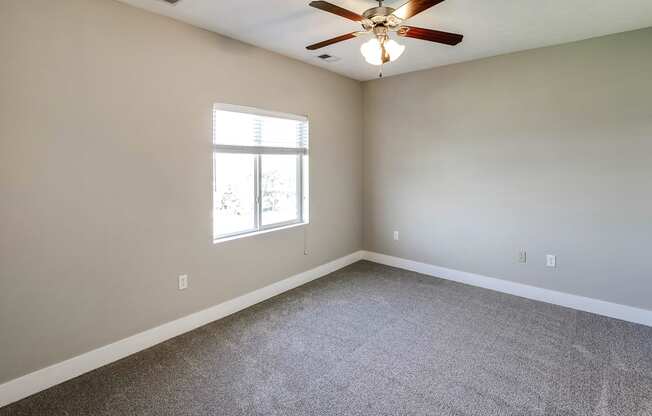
x,y
380,16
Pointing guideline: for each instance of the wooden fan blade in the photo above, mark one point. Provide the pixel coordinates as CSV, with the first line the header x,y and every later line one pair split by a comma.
x,y
432,35
332,41
331,8
414,7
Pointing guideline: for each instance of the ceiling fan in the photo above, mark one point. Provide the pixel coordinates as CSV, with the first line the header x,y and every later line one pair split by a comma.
x,y
381,21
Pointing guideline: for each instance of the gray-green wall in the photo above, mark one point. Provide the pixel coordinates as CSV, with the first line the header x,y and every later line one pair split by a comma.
x,y
548,150
106,173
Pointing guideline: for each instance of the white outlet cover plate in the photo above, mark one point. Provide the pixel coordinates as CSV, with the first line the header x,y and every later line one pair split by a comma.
x,y
551,260
183,282
522,256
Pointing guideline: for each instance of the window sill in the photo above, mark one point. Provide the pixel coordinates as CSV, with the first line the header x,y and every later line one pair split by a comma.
x,y
255,233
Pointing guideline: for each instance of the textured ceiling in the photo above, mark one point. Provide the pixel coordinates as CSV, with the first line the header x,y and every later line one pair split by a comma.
x,y
490,27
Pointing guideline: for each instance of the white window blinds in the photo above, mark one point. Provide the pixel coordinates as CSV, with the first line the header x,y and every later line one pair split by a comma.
x,y
248,130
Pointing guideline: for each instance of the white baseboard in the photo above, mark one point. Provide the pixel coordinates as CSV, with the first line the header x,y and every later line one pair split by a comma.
x,y
39,380
599,307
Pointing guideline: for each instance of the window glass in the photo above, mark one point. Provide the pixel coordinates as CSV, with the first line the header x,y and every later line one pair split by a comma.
x,y
279,188
260,167
235,207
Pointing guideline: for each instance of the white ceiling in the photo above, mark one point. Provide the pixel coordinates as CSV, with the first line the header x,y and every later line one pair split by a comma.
x,y
490,27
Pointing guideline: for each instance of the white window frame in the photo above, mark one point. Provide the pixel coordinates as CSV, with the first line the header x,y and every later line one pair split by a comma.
x,y
258,152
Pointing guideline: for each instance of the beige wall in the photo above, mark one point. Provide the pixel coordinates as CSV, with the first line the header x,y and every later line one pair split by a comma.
x,y
105,173
548,150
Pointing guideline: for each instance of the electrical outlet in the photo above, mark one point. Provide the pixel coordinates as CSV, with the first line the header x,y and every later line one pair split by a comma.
x,y
551,260
183,282
396,235
522,256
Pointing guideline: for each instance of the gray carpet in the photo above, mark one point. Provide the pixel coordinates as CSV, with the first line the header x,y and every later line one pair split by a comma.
x,y
374,340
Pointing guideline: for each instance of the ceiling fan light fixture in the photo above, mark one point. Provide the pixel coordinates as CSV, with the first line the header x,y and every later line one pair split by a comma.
x,y
373,51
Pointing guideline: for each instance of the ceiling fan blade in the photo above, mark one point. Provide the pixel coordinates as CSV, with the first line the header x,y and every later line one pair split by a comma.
x,y
431,35
331,8
414,7
332,41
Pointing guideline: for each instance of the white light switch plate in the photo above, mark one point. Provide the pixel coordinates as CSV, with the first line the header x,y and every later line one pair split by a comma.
x,y
396,235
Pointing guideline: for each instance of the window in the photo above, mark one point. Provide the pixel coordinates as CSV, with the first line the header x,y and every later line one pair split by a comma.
x,y
260,165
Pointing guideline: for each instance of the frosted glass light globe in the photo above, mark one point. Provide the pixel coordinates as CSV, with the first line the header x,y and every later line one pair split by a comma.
x,y
394,49
373,52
